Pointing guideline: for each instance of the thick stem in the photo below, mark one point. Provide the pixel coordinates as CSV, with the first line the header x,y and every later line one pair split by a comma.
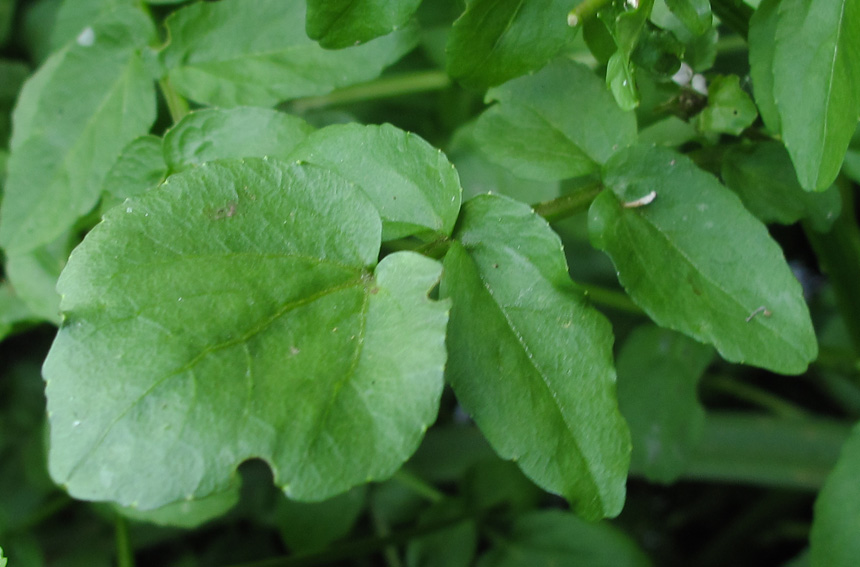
x,y
124,553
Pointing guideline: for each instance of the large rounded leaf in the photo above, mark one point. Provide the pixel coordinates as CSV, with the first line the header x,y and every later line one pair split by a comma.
x,y
259,326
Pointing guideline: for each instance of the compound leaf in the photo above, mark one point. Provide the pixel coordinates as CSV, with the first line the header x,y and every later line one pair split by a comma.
x,y
413,185
530,360
234,53
344,23
259,327
497,40
816,69
76,113
697,262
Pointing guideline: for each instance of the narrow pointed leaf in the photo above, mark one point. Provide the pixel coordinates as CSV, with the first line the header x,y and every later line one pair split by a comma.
x,y
530,360
697,262
497,40
344,23
833,540
413,185
73,118
215,133
816,70
259,327
536,131
233,53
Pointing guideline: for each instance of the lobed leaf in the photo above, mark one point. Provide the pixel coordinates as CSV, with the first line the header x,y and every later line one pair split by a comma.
x,y
529,359
344,23
256,53
259,327
697,262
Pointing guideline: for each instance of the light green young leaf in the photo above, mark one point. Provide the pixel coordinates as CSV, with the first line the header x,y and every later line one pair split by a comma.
x,y
538,130
836,523
697,262
234,53
140,167
187,514
412,184
762,42
559,539
695,14
216,133
259,327
344,23
530,360
626,27
816,69
730,110
658,373
762,176
63,144
622,82
497,40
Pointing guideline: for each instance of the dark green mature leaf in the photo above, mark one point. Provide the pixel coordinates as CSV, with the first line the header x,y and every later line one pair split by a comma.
x,y
816,68
344,23
497,40
696,14
73,117
140,167
530,360
696,261
730,110
412,184
762,176
12,76
216,133
540,130
235,52
658,374
7,12
554,538
257,327
762,41
833,540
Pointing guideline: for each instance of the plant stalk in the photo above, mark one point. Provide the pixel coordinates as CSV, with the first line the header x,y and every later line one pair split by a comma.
x,y
124,553
570,204
176,103
585,10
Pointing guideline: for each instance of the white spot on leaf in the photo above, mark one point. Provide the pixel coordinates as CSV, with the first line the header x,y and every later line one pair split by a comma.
x,y
87,37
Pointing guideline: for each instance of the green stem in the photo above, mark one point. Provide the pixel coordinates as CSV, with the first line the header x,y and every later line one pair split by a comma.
x,y
756,396
735,14
407,83
418,485
176,103
617,300
838,253
570,204
124,553
585,10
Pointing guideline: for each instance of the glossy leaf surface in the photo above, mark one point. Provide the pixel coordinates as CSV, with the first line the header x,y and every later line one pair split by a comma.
x,y
413,185
344,23
63,144
696,261
234,53
530,360
260,327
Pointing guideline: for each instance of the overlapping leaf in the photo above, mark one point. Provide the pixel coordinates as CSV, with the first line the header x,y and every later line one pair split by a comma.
x,y
530,360
260,326
413,185
696,261
236,52
140,166
344,23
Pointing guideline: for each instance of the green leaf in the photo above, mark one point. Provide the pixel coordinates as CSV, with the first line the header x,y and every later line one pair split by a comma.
x,y
454,546
140,167
553,538
622,82
7,13
34,276
63,145
216,133
497,40
312,526
762,42
697,262
625,26
12,76
233,53
256,328
13,311
187,514
695,14
412,184
762,176
536,131
816,86
658,374
530,360
730,110
74,16
836,523
344,23
2,559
